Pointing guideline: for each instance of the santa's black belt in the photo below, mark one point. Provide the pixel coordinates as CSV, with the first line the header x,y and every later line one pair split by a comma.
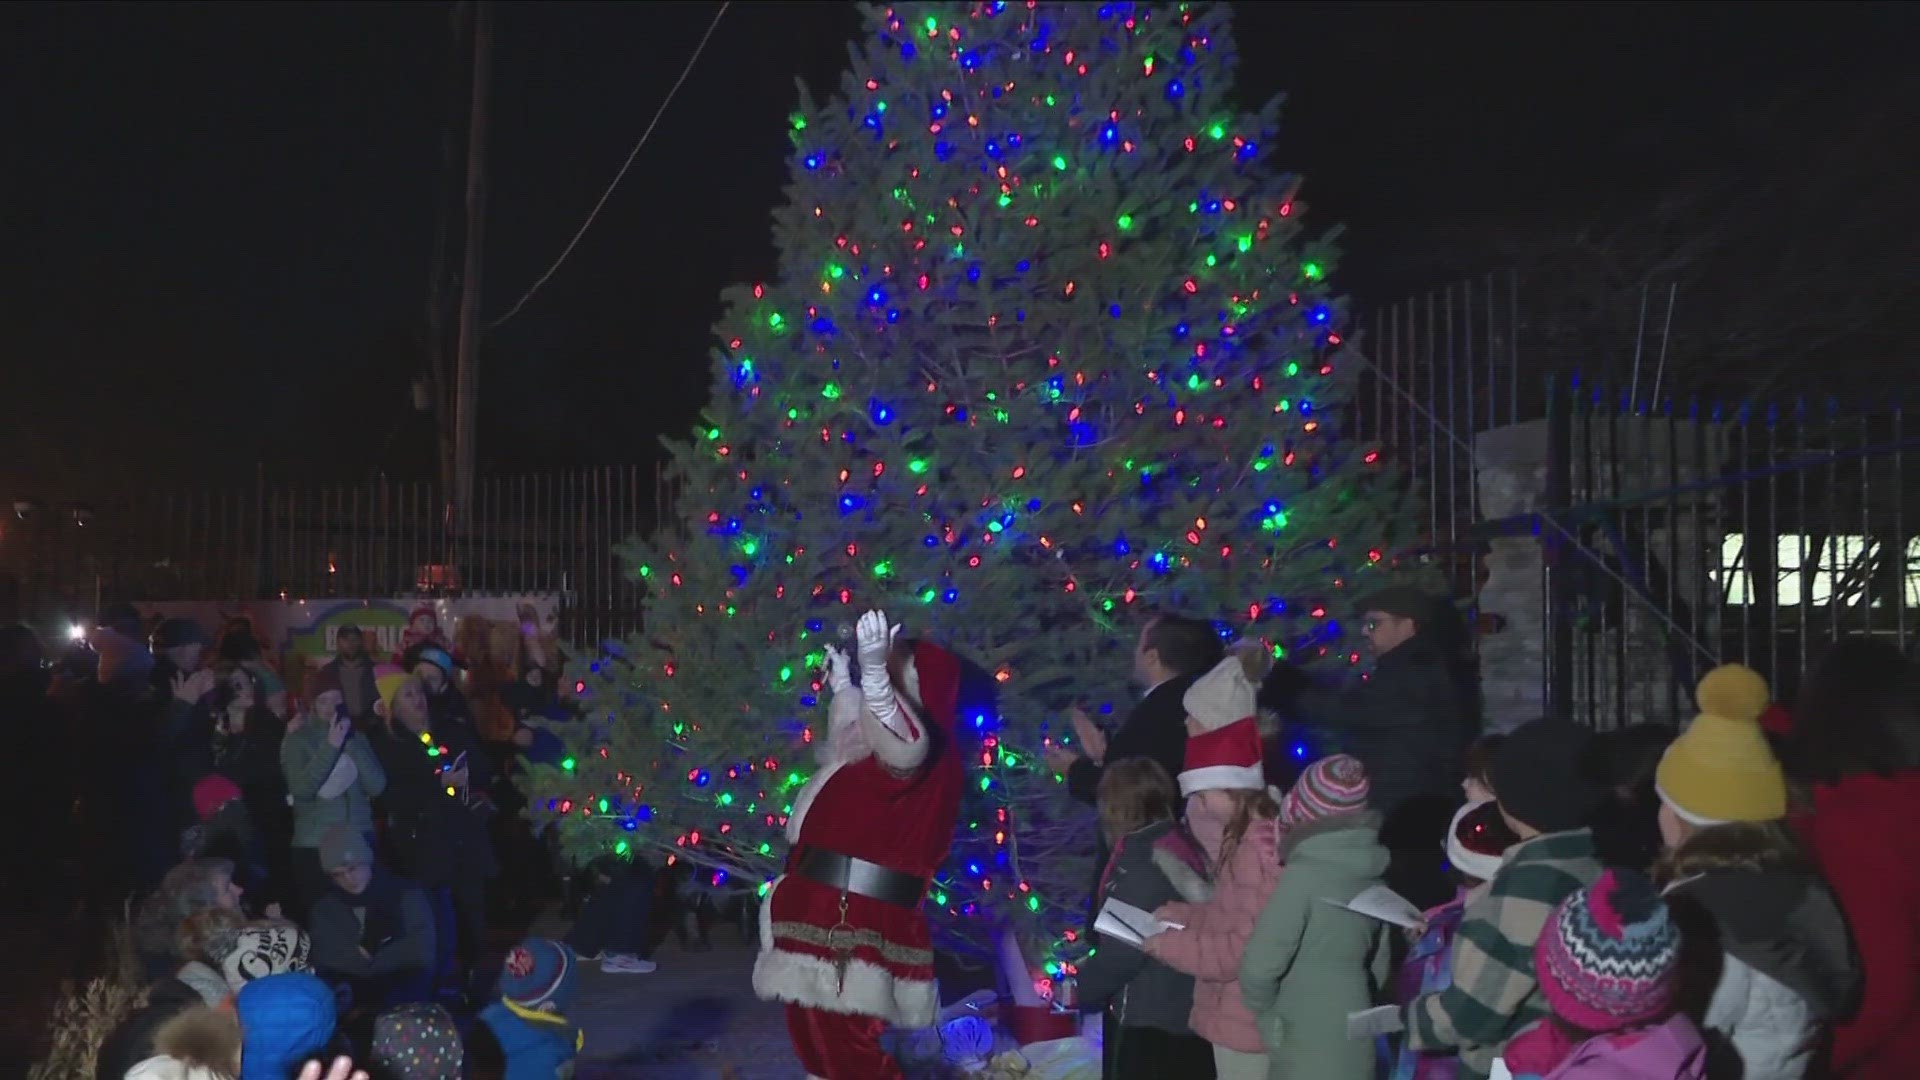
x,y
844,873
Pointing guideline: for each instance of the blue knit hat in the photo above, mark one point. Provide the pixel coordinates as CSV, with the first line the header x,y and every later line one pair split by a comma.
x,y
539,972
284,1020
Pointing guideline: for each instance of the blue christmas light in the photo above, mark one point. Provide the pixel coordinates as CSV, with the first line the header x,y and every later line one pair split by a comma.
x,y
1176,90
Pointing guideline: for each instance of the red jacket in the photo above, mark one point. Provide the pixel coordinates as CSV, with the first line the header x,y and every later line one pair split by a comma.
x,y
1862,834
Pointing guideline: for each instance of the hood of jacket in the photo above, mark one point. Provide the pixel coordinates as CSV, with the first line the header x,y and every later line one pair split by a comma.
x,y
1786,925
1348,842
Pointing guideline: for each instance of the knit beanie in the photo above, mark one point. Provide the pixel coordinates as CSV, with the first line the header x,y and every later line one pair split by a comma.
x,y
416,1042
1478,840
387,680
1333,785
284,1020
211,792
1220,697
539,972
342,846
1540,778
1610,955
1721,768
257,950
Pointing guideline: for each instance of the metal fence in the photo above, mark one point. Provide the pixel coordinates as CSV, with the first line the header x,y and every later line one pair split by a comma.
x,y
552,532
1670,536
1680,537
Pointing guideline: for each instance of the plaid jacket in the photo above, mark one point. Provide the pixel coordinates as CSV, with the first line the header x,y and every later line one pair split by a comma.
x,y
1494,992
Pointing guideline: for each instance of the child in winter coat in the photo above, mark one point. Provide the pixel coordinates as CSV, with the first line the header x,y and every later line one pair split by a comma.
x,y
1546,798
1608,964
1310,963
1224,783
1147,1004
1769,963
537,984
1476,841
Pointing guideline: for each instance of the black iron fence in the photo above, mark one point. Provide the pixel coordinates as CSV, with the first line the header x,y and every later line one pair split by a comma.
x,y
1679,537
551,533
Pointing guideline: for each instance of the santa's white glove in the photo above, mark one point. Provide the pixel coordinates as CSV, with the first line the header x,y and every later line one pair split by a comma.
x,y
839,670
875,640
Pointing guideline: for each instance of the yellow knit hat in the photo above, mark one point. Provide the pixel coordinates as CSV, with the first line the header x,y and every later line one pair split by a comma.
x,y
1722,769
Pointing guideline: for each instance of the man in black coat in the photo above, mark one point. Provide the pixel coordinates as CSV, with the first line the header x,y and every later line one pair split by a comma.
x,y
1171,653
1409,723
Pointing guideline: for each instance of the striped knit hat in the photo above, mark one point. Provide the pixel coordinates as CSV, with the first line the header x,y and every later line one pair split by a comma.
x,y
1609,958
1333,785
539,972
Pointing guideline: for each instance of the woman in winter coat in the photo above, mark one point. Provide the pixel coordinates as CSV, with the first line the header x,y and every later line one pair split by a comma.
x,y
1229,801
1768,964
434,817
1147,1003
1310,964
1856,742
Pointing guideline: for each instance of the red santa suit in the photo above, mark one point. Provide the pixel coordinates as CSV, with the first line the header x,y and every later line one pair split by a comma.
x,y
881,811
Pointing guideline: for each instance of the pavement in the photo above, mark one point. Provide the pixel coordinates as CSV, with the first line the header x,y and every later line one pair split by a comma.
x,y
694,1019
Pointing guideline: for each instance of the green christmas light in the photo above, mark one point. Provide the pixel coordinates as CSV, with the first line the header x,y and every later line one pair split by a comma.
x,y
1060,162
567,764
917,466
831,391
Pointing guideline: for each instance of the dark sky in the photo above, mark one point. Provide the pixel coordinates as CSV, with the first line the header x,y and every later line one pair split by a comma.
x,y
216,219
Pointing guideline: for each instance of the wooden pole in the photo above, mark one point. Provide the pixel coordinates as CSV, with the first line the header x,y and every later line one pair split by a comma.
x,y
467,374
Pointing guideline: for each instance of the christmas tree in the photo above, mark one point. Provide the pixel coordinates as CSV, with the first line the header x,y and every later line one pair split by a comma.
x,y
1047,350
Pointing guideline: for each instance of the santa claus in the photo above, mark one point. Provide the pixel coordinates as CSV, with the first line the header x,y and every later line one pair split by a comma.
x,y
843,940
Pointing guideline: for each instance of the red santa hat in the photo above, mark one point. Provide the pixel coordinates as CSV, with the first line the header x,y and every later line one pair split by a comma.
x,y
932,678
1225,759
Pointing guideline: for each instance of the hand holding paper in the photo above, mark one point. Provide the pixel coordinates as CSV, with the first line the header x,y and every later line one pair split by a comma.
x,y
1124,922
1382,903
1368,1023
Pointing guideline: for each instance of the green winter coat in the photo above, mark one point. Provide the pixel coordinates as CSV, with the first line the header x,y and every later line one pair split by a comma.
x,y
1310,963
307,759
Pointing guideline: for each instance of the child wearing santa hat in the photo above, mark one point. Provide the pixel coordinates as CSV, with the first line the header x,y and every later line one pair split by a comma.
x,y
1237,818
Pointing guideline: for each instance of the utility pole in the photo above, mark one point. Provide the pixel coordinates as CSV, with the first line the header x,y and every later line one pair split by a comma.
x,y
466,360
433,393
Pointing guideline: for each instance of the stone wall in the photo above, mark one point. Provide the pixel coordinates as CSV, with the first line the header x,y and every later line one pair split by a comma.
x,y
1631,661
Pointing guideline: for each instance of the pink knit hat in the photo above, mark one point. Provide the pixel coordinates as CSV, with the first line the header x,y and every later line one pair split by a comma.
x,y
211,792
1333,785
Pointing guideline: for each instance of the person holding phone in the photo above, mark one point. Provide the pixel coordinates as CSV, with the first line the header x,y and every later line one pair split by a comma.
x,y
333,776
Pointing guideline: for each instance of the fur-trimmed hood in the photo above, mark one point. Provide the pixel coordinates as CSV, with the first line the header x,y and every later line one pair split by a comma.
x,y
199,1044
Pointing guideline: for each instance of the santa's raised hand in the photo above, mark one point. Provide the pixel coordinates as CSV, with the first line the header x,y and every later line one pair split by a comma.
x,y
874,637
839,670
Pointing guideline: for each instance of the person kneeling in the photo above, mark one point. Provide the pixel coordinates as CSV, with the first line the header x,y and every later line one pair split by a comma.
x,y
372,930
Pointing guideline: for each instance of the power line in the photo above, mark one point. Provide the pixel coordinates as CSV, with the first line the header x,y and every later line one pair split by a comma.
x,y
617,177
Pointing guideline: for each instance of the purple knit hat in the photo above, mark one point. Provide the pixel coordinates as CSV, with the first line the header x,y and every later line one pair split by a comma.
x,y
1609,956
1330,786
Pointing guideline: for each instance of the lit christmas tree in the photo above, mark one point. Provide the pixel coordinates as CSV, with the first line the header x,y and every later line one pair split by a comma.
x,y
1047,349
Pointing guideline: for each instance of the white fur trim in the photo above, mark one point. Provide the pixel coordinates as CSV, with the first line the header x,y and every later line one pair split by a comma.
x,y
1698,821
804,801
1192,886
1473,864
869,989
1223,778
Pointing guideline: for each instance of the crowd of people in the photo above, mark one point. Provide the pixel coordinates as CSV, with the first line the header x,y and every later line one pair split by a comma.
x,y
1733,899
305,872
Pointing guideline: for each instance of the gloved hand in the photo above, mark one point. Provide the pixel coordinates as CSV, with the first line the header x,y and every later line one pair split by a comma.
x,y
839,670
874,639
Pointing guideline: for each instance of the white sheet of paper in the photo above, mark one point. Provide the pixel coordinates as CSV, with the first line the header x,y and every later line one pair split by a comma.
x,y
1500,1070
1367,1023
1121,920
1380,902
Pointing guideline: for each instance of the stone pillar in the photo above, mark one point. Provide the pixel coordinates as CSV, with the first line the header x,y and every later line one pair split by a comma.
x,y
1634,656
1510,478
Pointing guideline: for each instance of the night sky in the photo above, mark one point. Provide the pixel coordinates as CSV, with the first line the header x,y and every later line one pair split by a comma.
x,y
217,219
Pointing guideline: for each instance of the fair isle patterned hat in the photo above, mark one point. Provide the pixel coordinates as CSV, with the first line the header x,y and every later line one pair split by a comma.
x,y
1333,785
1610,955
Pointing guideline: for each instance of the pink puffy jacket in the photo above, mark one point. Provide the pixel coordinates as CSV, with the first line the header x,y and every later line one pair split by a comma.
x,y
1216,935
